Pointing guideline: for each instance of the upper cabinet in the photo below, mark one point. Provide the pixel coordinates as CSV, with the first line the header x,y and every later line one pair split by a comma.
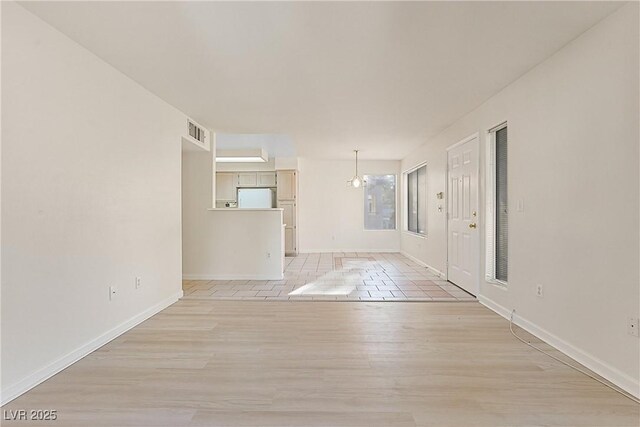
x,y
266,179
286,184
226,186
256,179
227,183
247,179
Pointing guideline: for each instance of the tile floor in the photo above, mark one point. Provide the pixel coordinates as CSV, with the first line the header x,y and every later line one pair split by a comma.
x,y
337,276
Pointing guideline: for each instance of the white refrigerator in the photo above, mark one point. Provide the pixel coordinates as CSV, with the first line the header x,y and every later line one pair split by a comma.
x,y
256,198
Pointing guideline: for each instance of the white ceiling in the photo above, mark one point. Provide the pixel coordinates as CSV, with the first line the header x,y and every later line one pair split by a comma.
x,y
381,77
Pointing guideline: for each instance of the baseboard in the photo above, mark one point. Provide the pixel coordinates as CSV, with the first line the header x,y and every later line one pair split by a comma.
x,y
424,264
615,376
232,277
41,375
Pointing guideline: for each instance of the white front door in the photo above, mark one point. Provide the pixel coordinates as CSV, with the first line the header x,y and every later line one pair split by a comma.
x,y
463,233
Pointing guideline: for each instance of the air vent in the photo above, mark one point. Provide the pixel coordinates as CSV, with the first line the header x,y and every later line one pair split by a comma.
x,y
196,131
197,137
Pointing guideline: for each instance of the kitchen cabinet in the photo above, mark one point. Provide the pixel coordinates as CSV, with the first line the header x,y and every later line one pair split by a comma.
x,y
266,179
256,179
287,192
247,179
286,184
289,219
227,183
288,213
226,186
289,241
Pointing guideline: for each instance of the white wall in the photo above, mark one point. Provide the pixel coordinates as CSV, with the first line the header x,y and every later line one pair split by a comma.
x,y
90,199
225,244
573,160
331,214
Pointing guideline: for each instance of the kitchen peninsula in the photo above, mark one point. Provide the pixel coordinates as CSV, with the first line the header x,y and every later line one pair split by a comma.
x,y
222,243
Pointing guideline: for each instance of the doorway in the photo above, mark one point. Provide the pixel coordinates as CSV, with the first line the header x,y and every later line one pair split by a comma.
x,y
463,225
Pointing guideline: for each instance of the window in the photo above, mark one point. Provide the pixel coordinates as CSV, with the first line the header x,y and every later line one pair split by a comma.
x,y
497,207
417,200
380,202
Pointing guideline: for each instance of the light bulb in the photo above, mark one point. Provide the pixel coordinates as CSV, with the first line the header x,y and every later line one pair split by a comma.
x,y
356,182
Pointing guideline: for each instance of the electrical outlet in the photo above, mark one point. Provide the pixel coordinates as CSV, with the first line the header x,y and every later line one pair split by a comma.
x,y
112,292
539,291
633,326
268,254
138,282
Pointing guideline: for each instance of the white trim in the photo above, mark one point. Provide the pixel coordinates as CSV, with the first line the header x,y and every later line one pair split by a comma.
x,y
496,128
613,375
498,283
46,372
414,234
232,277
464,141
489,206
424,264
405,204
413,168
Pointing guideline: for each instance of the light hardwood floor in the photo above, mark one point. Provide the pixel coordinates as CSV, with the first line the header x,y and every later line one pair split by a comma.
x,y
246,363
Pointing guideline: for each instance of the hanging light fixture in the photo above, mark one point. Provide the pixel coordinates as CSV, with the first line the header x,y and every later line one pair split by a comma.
x,y
356,181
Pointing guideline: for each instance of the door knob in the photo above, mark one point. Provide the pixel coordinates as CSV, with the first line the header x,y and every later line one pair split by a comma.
x,y
472,225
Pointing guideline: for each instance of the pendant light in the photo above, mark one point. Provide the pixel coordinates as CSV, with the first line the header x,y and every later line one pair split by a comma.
x,y
356,181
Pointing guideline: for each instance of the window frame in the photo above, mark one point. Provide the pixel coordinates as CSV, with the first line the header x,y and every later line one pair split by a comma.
x,y
405,204
490,207
395,199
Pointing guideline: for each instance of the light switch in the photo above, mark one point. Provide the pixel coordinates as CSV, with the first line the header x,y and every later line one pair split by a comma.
x,y
520,205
